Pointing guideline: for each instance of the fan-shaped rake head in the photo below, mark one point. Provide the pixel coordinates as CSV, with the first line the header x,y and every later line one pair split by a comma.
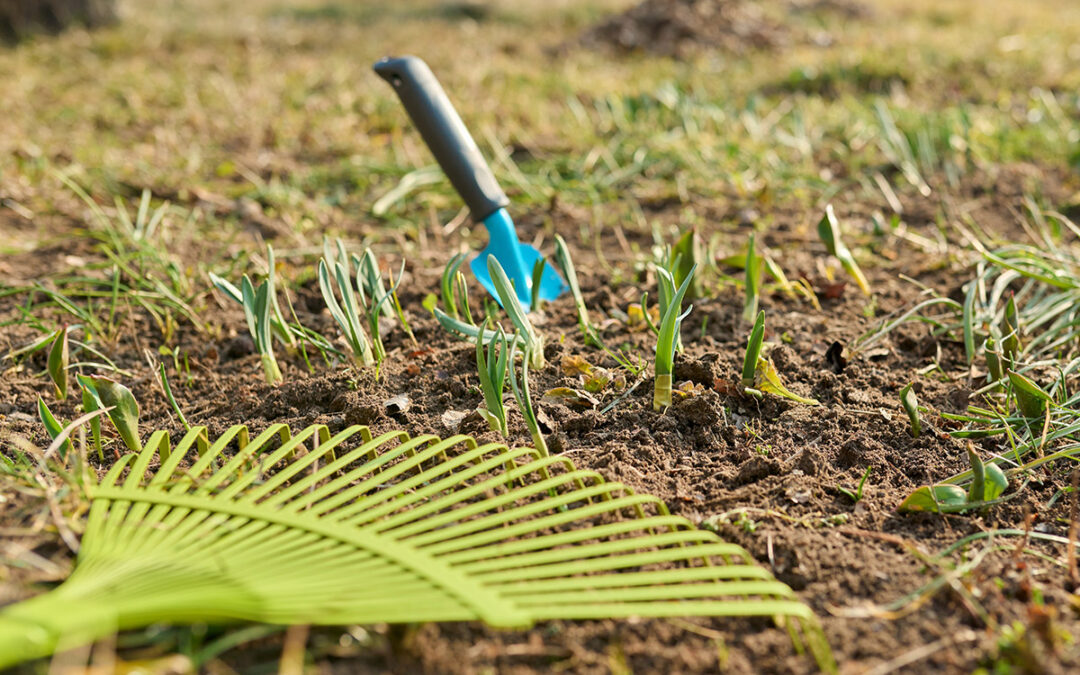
x,y
348,528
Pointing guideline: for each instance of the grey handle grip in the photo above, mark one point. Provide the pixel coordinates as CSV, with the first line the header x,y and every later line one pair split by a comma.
x,y
444,132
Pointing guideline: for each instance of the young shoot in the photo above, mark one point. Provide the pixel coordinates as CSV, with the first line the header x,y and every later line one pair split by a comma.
x,y
278,326
753,281
524,399
101,393
856,495
988,483
375,301
687,254
455,290
53,427
491,364
759,374
911,406
666,287
670,322
163,380
566,266
369,281
829,231
397,306
1031,400
336,272
258,313
59,360
753,352
537,277
532,339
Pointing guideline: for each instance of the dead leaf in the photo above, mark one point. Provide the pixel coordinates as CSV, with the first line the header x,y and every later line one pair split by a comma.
x,y
571,398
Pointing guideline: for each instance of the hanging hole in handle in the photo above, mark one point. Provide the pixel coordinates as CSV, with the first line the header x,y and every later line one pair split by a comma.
x,y
396,81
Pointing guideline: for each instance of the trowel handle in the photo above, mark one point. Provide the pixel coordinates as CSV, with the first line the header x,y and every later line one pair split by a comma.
x,y
444,132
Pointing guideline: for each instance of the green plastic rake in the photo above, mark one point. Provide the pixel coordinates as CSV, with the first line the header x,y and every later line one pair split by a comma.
x,y
312,528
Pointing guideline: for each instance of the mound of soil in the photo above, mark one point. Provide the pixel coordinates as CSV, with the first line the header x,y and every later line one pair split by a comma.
x,y
679,27
21,18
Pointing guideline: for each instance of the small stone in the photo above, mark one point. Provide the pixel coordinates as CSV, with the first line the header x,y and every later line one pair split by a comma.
x,y
451,419
397,405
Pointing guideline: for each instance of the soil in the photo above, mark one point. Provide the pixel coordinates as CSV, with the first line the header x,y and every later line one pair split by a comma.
x,y
762,473
679,27
20,18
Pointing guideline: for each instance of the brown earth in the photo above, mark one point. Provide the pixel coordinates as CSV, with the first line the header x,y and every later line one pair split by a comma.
x,y
21,18
763,474
679,27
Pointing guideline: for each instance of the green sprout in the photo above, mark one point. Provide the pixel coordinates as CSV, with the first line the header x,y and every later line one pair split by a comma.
x,y
856,495
466,331
1031,400
280,328
537,277
492,368
666,287
988,483
670,322
397,306
101,393
455,290
1011,347
686,255
829,231
753,352
374,299
532,340
566,264
369,281
167,390
911,406
759,373
257,311
524,399
59,359
753,281
347,314
52,427
995,362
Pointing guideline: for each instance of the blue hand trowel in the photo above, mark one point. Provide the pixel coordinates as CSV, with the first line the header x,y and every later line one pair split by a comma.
x,y
457,154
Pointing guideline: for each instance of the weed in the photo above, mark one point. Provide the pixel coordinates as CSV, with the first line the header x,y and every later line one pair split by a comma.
x,y
856,495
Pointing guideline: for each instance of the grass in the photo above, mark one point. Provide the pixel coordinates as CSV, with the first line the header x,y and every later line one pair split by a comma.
x,y
724,131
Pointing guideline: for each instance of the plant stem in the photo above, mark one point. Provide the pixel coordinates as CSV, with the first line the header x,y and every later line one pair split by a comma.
x,y
662,392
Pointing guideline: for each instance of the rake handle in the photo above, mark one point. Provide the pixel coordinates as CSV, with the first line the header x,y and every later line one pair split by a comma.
x,y
444,133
